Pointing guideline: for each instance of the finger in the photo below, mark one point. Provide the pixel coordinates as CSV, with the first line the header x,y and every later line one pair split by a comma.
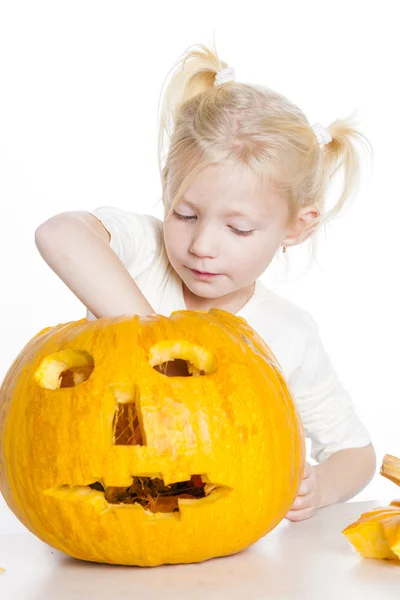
x,y
305,488
301,502
307,471
300,515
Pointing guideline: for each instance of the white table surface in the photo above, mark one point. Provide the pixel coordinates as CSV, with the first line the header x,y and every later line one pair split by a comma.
x,y
309,560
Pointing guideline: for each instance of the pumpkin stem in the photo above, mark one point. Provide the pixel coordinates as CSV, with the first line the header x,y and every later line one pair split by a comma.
x,y
391,468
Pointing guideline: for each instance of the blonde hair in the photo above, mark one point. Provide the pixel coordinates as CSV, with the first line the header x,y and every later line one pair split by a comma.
x,y
252,127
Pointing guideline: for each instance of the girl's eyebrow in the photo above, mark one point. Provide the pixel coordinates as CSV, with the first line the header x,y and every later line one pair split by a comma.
x,y
231,213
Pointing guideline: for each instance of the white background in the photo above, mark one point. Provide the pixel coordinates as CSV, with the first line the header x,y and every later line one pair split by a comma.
x,y
80,82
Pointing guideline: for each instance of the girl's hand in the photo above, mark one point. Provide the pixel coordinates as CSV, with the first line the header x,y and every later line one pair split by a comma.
x,y
308,498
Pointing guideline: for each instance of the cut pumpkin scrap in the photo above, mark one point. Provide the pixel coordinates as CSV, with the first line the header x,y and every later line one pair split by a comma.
x,y
391,468
376,534
391,531
368,536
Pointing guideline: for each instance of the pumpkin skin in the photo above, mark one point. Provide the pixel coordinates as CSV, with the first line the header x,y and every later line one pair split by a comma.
x,y
232,427
376,534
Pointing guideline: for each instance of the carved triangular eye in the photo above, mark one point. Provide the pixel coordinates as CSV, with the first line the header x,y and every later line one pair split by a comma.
x,y
180,358
176,368
67,368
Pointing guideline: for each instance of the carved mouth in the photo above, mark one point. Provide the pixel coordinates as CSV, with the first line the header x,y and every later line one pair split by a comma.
x,y
149,492
154,495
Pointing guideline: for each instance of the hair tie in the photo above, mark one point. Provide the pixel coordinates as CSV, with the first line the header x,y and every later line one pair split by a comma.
x,y
321,134
225,75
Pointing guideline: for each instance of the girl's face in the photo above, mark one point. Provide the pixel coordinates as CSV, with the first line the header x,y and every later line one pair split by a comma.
x,y
224,233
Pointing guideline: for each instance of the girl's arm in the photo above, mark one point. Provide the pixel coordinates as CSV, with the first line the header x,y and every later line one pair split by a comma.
x,y
345,473
339,478
340,443
75,245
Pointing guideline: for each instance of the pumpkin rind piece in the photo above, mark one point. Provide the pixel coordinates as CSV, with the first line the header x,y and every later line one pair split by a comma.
x,y
376,534
368,536
391,530
391,468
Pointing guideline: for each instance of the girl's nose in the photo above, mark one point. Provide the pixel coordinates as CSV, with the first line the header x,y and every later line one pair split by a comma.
x,y
204,242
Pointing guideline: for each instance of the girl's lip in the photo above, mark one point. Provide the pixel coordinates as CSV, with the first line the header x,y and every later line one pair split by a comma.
x,y
203,274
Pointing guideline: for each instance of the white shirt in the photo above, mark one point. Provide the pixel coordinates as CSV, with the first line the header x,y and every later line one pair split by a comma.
x,y
326,410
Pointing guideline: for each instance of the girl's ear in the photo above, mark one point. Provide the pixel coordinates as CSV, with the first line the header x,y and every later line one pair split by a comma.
x,y
305,224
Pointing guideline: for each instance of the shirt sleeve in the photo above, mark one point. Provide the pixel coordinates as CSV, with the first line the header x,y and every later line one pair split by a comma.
x,y
328,414
135,238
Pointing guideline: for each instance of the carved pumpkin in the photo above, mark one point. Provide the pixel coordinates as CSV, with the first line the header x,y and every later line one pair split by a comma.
x,y
376,534
149,440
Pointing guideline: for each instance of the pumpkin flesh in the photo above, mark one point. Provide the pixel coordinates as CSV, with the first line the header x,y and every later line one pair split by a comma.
x,y
376,534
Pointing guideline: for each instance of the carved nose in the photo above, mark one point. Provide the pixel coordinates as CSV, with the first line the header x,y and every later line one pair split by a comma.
x,y
127,424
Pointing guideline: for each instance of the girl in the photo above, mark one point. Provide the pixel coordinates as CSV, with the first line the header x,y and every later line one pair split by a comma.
x,y
244,175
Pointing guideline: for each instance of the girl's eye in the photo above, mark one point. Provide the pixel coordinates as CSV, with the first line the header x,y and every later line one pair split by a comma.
x,y
242,233
235,231
183,217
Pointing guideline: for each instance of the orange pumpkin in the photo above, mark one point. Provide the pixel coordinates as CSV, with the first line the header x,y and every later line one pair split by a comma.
x,y
376,534
150,440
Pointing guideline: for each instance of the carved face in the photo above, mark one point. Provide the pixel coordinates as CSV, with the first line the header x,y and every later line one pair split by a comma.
x,y
149,440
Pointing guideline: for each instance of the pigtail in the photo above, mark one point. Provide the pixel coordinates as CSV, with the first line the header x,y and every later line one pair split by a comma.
x,y
194,72
342,156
